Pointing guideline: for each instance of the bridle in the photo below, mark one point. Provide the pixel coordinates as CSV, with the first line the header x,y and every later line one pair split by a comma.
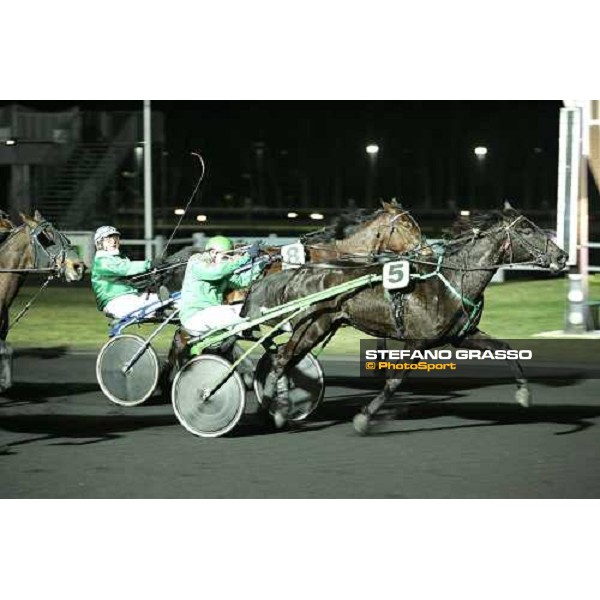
x,y
49,256
52,255
393,227
540,257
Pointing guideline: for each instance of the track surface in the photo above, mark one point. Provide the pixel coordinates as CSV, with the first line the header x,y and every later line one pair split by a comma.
x,y
60,438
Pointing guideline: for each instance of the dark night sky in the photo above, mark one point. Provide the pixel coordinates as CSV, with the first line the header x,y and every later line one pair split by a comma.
x,y
418,140
317,148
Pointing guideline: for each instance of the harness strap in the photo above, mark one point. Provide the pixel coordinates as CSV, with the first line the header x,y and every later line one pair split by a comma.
x,y
30,303
475,306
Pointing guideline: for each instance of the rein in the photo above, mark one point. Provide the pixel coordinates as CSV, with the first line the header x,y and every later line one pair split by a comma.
x,y
30,303
46,270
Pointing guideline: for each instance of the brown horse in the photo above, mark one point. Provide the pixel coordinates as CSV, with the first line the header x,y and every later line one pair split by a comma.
x,y
357,237
442,304
34,246
361,235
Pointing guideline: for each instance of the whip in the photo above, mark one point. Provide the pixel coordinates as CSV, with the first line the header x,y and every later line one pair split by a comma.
x,y
188,202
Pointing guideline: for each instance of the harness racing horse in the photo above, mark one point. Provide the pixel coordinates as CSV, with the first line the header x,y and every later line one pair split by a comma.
x,y
355,237
34,246
442,304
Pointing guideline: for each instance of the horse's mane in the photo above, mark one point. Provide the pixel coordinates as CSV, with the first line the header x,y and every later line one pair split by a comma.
x,y
463,227
481,220
343,226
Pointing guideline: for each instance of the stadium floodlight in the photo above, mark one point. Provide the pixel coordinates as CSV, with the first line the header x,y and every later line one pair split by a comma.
x,y
372,149
201,218
480,151
292,215
316,216
179,211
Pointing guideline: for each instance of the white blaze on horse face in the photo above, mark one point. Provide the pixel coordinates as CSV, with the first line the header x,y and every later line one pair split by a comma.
x,y
74,269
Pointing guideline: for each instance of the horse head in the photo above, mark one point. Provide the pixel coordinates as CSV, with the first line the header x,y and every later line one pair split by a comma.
x,y
520,239
397,231
525,241
52,249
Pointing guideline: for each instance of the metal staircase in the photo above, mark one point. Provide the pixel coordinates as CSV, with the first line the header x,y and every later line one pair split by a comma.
x,y
86,171
71,197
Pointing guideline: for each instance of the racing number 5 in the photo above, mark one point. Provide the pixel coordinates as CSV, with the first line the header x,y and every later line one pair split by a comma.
x,y
396,275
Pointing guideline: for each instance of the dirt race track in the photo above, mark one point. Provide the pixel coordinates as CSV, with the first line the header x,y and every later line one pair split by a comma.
x,y
60,438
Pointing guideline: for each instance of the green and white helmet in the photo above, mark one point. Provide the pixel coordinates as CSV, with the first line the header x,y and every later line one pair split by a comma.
x,y
104,232
219,243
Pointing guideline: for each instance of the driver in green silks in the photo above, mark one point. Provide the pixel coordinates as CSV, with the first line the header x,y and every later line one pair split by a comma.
x,y
114,296
208,276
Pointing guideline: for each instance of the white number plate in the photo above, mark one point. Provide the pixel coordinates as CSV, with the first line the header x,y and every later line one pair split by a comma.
x,y
396,275
293,255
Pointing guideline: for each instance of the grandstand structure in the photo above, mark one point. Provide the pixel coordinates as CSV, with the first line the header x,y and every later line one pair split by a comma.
x,y
75,166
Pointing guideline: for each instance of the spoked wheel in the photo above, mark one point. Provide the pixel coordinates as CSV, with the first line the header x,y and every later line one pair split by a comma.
x,y
305,381
199,411
131,387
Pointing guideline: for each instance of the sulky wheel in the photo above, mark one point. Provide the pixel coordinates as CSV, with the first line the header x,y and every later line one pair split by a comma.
x,y
134,386
305,381
199,411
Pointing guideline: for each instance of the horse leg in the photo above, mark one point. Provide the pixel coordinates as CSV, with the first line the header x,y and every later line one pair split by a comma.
x,y
306,335
482,341
3,321
362,421
245,368
178,353
5,351
382,344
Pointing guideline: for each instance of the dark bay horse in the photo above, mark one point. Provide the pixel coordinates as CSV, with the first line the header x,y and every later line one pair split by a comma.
x,y
34,246
442,304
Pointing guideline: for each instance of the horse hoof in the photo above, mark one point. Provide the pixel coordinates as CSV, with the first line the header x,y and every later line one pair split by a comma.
x,y
523,397
361,424
279,419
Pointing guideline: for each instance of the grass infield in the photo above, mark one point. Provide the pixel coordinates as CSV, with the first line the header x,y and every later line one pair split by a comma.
x,y
67,316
